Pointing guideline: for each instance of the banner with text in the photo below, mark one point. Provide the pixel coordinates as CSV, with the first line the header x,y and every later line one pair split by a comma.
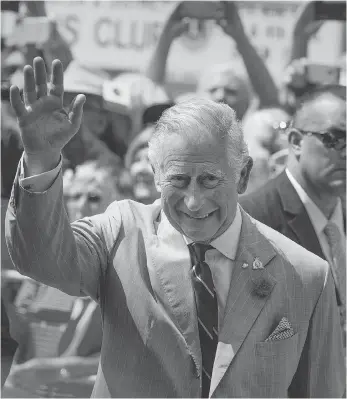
x,y
123,34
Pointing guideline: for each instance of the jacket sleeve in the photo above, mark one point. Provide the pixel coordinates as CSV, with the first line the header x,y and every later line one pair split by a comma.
x,y
44,246
321,372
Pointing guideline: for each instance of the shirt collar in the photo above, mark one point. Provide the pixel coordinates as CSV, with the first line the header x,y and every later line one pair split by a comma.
x,y
227,242
316,215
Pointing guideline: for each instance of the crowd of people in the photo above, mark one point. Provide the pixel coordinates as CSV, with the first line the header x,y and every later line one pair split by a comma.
x,y
59,325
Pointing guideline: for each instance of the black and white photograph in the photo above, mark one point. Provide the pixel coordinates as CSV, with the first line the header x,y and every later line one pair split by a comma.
x,y
173,199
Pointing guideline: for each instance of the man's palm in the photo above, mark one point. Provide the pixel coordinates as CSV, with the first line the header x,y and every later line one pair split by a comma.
x,y
44,125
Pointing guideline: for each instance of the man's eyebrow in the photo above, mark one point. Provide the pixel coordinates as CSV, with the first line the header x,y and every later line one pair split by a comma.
x,y
175,174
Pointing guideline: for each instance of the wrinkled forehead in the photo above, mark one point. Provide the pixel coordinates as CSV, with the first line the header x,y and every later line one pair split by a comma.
x,y
195,167
191,153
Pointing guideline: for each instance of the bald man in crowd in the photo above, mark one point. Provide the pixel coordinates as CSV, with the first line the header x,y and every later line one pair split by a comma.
x,y
304,201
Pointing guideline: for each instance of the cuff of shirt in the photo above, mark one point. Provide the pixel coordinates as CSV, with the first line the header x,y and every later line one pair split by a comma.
x,y
39,183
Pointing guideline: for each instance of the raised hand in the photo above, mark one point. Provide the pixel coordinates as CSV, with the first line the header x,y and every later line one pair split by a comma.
x,y
230,20
305,24
177,24
45,127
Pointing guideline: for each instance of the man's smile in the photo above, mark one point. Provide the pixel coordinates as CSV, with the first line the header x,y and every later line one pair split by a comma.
x,y
199,216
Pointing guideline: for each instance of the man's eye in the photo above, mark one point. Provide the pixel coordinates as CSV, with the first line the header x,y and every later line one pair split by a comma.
x,y
210,181
178,181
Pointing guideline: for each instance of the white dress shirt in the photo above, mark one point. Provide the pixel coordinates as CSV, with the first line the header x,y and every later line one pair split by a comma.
x,y
219,259
318,219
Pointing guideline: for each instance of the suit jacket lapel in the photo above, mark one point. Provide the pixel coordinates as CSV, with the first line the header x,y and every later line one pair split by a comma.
x,y
249,290
297,216
169,256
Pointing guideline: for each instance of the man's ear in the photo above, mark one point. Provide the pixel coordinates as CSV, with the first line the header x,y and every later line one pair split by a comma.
x,y
295,141
158,186
244,176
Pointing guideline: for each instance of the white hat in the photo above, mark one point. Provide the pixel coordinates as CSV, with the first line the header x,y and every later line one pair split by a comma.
x,y
131,90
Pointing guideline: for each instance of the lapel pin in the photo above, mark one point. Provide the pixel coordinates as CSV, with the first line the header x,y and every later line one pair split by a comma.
x,y
244,265
257,264
262,288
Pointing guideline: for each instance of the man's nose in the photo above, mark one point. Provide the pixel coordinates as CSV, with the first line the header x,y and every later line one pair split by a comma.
x,y
194,199
343,153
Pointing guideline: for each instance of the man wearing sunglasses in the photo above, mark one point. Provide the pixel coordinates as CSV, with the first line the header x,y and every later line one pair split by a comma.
x,y
304,202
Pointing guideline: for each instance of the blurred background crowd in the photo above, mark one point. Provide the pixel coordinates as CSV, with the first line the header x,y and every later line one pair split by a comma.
x,y
133,60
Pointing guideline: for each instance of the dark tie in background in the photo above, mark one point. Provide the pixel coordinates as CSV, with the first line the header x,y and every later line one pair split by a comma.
x,y
207,311
338,254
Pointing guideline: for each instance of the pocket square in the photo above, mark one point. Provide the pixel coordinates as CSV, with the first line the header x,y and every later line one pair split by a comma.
x,y
284,330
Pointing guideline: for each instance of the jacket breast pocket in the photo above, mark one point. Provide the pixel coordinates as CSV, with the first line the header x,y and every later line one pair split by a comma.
x,y
275,366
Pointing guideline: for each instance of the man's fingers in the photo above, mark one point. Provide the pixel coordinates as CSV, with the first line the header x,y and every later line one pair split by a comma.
x,y
16,102
223,23
57,80
40,77
76,111
29,91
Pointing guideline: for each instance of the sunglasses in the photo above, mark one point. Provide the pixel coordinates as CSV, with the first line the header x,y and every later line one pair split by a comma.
x,y
334,139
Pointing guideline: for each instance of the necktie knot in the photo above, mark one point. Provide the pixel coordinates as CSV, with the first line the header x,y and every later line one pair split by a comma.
x,y
198,251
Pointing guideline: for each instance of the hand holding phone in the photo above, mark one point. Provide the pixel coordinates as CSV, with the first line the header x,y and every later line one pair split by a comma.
x,y
321,74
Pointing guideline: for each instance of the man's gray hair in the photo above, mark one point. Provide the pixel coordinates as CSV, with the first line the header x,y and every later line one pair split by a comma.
x,y
197,115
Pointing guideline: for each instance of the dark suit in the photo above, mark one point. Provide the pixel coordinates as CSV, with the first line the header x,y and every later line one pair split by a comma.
x,y
278,205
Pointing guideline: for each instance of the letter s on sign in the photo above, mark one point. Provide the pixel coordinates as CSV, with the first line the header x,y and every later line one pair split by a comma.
x,y
71,24
103,32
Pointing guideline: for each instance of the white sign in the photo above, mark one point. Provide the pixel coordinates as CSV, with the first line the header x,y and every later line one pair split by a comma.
x,y
123,34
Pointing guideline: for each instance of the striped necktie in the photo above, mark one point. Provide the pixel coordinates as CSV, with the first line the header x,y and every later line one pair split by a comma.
x,y
338,256
207,311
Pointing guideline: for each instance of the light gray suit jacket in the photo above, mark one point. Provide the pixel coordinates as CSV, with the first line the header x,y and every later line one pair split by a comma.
x,y
140,275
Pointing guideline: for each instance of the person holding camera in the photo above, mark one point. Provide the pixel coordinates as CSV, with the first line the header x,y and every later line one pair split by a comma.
x,y
302,74
221,83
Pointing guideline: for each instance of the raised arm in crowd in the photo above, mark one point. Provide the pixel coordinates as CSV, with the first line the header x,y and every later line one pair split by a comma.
x,y
260,78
